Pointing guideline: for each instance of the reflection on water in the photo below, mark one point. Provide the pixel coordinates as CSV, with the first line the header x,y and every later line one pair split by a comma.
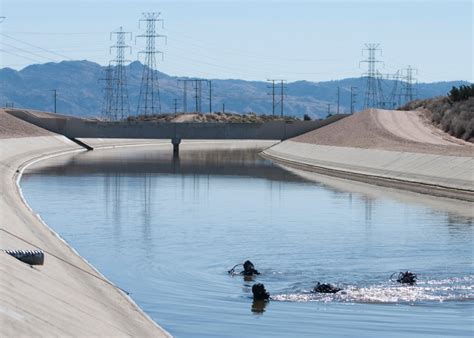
x,y
258,306
169,229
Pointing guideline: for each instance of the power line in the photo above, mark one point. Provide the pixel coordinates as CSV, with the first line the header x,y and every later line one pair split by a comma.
x,y
239,51
34,46
22,56
26,51
54,33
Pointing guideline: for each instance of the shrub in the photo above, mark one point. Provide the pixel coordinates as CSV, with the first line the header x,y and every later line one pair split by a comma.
x,y
461,94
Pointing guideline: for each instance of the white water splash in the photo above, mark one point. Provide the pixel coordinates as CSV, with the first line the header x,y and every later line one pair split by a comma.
x,y
449,289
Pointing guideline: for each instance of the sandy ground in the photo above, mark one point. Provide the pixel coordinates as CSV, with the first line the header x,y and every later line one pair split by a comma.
x,y
388,130
185,118
11,127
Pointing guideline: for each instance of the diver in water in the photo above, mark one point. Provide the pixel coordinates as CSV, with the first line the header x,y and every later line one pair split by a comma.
x,y
325,288
259,292
249,269
406,277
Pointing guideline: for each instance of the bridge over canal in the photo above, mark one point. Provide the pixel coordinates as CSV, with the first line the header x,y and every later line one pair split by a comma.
x,y
76,128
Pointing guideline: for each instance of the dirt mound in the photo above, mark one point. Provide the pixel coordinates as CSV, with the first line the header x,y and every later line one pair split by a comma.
x,y
388,130
12,127
211,117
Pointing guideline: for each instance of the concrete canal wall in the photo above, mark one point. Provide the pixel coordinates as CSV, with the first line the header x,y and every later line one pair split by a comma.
x,y
56,299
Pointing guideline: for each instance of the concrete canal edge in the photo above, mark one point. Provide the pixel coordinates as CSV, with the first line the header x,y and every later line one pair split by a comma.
x,y
436,175
55,299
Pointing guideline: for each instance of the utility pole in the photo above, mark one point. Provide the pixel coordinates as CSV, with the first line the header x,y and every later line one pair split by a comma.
x,y
329,109
373,92
272,94
282,93
210,96
120,107
197,97
55,95
185,94
175,107
353,98
197,86
223,108
338,97
149,100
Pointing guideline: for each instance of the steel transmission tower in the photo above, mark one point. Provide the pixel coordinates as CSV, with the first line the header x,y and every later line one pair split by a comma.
x,y
408,91
108,92
373,95
149,101
120,106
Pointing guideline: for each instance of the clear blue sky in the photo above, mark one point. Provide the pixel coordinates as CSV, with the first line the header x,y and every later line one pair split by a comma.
x,y
252,40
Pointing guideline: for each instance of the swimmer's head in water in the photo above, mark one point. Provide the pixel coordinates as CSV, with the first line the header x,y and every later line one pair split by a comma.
x,y
249,269
259,292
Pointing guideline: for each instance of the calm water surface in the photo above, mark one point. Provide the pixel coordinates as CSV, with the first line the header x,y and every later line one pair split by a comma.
x,y
168,230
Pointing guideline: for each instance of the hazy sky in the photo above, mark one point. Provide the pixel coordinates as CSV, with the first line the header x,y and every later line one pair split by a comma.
x,y
252,40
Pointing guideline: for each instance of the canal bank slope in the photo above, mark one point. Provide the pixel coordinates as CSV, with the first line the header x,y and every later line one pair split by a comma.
x,y
399,149
65,297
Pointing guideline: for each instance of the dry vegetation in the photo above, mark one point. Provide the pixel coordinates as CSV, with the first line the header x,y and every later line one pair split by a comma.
x,y
454,114
213,117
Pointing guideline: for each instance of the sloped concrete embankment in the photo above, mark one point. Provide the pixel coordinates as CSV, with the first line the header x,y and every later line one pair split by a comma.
x,y
438,175
58,298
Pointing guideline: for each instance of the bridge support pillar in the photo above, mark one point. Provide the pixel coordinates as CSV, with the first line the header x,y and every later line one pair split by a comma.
x,y
175,141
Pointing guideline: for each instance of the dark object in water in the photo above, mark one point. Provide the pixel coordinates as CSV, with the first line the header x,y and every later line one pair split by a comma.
x,y
406,277
259,292
325,288
32,257
249,269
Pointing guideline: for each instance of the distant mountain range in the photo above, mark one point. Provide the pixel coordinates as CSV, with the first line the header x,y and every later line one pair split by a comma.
x,y
80,91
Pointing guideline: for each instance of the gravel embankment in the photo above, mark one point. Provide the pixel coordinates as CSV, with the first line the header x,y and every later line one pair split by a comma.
x,y
405,131
11,127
